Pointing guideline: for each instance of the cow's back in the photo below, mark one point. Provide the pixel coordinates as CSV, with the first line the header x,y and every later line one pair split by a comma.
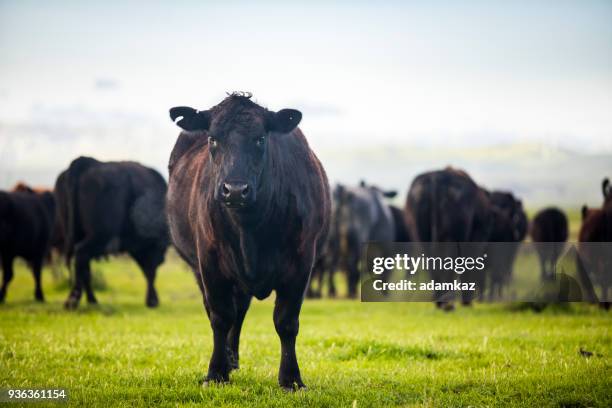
x,y
549,225
27,223
447,206
118,204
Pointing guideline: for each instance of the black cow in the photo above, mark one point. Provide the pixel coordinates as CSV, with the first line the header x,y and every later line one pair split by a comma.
x,y
26,224
57,238
549,231
448,206
248,209
508,229
108,208
362,216
343,250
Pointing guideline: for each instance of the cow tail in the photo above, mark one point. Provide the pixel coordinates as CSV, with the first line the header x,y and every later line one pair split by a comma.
x,y
77,167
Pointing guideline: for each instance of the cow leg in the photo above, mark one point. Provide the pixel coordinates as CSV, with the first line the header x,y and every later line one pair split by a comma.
x,y
321,280
242,302
74,297
221,311
91,298
7,266
82,258
222,315
330,282
604,294
36,272
286,322
352,277
543,268
313,293
152,299
149,269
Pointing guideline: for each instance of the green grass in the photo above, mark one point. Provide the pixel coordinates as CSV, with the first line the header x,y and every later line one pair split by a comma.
x,y
350,353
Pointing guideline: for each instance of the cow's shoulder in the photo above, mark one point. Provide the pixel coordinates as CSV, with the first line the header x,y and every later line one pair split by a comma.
x,y
184,143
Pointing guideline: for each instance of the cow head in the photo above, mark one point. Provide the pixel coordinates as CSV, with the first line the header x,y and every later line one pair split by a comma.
x,y
512,208
239,132
378,190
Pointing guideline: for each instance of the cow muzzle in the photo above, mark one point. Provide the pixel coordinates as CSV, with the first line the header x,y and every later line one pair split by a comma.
x,y
236,194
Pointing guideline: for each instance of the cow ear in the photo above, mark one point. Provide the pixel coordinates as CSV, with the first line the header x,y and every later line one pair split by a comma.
x,y
189,118
584,211
390,193
284,121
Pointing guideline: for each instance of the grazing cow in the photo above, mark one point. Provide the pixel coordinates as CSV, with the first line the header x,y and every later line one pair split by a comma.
x,y
26,223
248,209
549,227
448,206
363,216
108,208
508,226
595,259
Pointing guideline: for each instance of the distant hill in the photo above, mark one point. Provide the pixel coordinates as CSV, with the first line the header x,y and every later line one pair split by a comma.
x,y
539,174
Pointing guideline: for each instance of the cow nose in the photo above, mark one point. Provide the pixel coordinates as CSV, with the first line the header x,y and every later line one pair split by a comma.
x,y
235,193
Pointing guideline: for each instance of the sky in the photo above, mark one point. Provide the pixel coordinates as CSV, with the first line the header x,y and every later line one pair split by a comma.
x,y
98,78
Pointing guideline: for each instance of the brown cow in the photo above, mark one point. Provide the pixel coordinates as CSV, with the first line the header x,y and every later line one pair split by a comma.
x,y
594,261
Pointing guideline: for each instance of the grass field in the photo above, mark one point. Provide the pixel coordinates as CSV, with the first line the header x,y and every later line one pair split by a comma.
x,y
351,353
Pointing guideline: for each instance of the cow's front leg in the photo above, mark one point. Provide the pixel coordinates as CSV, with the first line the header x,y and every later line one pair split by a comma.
x,y
222,313
286,322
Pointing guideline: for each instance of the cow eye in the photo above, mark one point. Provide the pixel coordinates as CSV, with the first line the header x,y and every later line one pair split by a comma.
x,y
212,142
260,141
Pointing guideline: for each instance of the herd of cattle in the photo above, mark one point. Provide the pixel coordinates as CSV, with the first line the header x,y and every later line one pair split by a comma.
x,y
448,206
249,208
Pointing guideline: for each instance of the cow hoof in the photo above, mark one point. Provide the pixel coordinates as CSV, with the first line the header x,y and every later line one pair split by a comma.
x,y
448,307
215,379
2,295
293,386
38,296
232,360
92,301
71,303
152,302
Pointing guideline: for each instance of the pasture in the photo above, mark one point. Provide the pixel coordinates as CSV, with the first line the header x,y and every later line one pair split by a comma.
x,y
351,353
